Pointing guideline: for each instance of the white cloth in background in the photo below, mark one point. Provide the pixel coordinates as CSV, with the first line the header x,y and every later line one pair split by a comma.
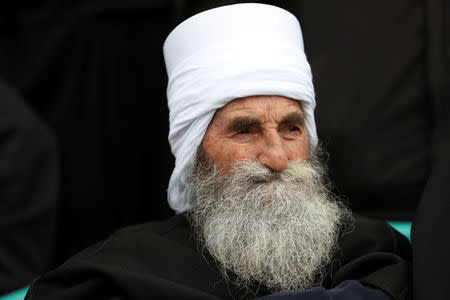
x,y
222,54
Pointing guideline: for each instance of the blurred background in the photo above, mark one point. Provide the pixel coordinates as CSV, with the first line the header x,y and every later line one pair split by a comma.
x,y
84,118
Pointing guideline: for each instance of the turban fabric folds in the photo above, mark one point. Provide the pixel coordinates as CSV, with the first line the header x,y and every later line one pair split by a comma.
x,y
223,54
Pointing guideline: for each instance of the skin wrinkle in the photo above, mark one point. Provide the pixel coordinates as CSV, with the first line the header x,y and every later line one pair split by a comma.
x,y
269,138
241,123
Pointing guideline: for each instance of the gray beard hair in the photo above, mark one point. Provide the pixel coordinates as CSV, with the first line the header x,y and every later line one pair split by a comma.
x,y
278,229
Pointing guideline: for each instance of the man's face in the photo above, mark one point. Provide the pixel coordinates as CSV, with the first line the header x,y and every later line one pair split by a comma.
x,y
269,129
259,202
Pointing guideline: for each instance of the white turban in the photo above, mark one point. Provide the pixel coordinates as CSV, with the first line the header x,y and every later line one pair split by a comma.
x,y
222,54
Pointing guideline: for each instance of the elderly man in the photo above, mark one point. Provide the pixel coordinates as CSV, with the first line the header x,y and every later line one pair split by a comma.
x,y
255,214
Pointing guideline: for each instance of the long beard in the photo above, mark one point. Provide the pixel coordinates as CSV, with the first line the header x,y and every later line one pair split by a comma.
x,y
277,229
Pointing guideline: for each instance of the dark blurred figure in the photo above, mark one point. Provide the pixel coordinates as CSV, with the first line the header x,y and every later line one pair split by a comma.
x,y
28,193
431,246
94,70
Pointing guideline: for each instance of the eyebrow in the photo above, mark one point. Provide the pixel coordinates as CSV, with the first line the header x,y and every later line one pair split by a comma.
x,y
241,123
294,118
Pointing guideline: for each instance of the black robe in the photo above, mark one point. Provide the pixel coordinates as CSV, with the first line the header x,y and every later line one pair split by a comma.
x,y
161,260
29,177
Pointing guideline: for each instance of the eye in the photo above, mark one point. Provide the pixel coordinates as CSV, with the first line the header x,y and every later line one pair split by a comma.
x,y
293,128
244,131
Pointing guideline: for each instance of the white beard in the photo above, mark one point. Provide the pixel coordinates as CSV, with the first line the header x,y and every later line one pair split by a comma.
x,y
278,229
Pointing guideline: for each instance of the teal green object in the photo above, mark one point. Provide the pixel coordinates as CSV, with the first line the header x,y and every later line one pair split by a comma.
x,y
404,227
16,295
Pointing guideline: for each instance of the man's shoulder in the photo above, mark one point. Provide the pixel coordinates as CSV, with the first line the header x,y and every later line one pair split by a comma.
x,y
374,231
374,253
175,228
142,239
149,260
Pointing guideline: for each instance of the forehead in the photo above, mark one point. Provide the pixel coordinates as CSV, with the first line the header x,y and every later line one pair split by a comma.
x,y
259,106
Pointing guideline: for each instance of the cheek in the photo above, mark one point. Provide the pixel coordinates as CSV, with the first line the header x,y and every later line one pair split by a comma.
x,y
222,150
224,154
210,146
229,153
241,153
298,150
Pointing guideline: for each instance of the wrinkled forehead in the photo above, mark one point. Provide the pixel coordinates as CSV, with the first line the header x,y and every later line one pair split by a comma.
x,y
259,105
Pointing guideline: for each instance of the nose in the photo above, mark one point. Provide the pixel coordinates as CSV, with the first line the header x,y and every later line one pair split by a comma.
x,y
273,153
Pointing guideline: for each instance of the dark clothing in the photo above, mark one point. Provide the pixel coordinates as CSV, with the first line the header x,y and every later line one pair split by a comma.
x,y
28,193
161,260
347,290
430,233
431,226
432,223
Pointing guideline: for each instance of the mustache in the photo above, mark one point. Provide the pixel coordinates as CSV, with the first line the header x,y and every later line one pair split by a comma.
x,y
253,172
